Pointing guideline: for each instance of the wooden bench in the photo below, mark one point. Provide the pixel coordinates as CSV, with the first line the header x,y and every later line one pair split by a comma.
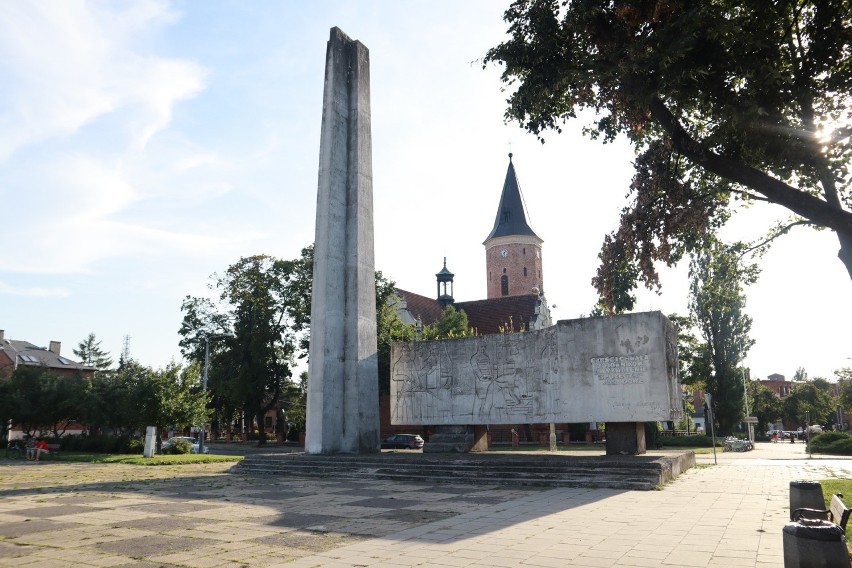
x,y
53,449
837,512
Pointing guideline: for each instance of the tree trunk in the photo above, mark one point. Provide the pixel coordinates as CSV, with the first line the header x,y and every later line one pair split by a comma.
x,y
845,252
261,429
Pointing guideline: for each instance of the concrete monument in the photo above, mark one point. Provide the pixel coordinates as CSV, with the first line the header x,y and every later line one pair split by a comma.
x,y
343,400
621,370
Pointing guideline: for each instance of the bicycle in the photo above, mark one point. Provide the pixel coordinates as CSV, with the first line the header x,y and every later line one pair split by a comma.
x,y
15,450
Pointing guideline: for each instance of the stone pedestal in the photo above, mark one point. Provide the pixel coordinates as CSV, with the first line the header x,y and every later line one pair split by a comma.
x,y
459,439
480,439
625,438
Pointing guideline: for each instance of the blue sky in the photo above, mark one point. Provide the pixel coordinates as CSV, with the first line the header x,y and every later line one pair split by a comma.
x,y
146,145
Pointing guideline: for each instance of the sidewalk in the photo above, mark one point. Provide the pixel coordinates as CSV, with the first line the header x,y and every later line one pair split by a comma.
x,y
64,514
727,515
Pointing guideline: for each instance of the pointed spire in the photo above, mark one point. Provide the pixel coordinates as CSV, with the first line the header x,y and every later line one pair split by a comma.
x,y
511,214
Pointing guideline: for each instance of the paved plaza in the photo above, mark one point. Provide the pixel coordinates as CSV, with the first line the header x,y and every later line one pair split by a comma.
x,y
69,514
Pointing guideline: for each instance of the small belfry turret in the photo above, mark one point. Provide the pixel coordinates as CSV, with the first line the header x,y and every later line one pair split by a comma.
x,y
512,249
445,277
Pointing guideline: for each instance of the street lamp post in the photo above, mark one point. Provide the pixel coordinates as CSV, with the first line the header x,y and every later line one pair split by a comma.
x,y
207,340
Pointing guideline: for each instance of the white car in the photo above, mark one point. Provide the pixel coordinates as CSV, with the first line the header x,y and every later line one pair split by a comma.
x,y
168,444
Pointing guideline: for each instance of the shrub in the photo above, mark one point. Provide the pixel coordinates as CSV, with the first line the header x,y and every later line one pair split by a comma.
x,y
693,441
101,444
136,446
177,447
837,443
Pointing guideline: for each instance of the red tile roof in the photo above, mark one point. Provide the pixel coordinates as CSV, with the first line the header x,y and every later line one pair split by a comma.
x,y
512,313
428,310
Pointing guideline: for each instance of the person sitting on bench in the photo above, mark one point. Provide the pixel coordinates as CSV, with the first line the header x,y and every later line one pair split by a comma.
x,y
40,447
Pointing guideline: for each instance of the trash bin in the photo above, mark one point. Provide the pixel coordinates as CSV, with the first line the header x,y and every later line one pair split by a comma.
x,y
814,544
805,494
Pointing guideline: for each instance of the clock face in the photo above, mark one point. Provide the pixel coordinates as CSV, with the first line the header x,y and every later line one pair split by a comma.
x,y
504,253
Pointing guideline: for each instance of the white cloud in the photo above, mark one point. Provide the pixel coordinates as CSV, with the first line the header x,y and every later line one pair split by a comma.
x,y
66,64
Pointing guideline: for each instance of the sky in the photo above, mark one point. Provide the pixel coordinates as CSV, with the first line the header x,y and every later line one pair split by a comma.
x,y
147,145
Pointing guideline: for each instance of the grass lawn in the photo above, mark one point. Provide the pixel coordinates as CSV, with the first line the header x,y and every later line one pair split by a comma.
x,y
843,486
135,459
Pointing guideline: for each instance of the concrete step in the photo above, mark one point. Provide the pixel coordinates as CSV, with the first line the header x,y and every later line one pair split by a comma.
x,y
632,472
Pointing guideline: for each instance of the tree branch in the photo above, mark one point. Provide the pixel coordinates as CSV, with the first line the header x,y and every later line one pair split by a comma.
x,y
780,232
803,204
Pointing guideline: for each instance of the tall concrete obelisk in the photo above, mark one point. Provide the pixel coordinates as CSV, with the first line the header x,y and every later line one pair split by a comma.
x,y
343,397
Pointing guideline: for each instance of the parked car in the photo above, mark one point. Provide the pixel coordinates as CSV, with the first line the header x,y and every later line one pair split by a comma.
x,y
194,441
402,441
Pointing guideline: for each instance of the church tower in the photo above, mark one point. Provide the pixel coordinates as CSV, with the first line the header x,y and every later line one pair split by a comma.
x,y
513,250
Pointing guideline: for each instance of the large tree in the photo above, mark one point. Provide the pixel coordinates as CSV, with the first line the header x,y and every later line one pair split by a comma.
x,y
717,303
724,101
254,306
807,397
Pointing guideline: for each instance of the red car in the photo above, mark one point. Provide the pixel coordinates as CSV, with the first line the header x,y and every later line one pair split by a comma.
x,y
402,442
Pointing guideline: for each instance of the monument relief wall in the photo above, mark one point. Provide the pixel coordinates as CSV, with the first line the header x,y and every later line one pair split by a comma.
x,y
608,369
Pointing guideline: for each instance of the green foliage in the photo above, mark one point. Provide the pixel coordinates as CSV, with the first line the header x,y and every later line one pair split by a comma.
x,y
6,408
717,302
389,328
90,353
693,441
178,447
764,405
453,323
40,402
653,440
844,381
836,443
807,397
257,306
724,102
137,459
694,359
103,444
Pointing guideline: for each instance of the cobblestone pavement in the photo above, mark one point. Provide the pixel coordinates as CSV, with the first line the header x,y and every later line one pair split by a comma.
x,y
71,514
63,514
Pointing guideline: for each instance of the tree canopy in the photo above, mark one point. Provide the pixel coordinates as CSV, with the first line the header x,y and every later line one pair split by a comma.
x,y
724,102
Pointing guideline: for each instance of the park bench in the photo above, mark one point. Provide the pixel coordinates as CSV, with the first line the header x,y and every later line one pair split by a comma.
x,y
53,449
837,512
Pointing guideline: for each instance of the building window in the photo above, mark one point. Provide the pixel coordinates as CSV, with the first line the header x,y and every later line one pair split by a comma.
x,y
504,271
525,250
489,276
504,285
525,272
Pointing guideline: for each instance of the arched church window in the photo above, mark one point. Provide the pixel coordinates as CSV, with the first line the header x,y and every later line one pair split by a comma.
x,y
504,285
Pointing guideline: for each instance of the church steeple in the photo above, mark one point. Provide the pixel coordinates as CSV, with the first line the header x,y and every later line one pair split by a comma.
x,y
513,250
511,214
